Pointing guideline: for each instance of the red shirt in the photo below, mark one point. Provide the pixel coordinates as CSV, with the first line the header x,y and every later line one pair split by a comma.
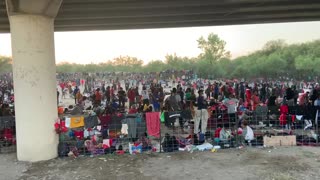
x,y
112,92
82,81
62,86
284,109
131,95
133,111
217,133
255,100
248,95
98,96
230,89
283,119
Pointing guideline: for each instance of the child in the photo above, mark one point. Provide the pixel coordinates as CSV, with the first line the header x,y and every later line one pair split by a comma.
x,y
247,133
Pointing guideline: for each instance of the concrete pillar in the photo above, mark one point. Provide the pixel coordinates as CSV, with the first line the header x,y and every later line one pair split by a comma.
x,y
34,75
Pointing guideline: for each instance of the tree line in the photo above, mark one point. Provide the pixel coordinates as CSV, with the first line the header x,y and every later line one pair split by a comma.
x,y
276,58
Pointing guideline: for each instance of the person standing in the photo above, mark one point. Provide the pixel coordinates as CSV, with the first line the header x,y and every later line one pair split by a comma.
x,y
290,97
208,92
122,97
58,93
255,100
201,114
145,95
131,96
161,97
232,104
127,85
216,91
75,92
242,91
103,88
181,93
108,94
98,97
136,92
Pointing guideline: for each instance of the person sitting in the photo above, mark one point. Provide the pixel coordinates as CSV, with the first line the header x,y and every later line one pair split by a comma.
x,y
133,110
247,134
5,110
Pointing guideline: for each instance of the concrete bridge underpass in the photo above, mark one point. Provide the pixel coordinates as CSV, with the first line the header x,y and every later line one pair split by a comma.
x,y
32,24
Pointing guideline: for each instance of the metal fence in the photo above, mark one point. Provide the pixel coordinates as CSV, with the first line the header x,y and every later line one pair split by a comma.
x,y
186,130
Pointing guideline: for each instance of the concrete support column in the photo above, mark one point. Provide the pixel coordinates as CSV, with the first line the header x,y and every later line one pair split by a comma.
x,y
34,75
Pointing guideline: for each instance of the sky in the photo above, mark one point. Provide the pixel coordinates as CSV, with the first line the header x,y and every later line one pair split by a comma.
x,y
154,44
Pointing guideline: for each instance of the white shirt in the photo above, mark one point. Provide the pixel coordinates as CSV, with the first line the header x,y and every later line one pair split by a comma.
x,y
178,98
145,94
249,136
232,105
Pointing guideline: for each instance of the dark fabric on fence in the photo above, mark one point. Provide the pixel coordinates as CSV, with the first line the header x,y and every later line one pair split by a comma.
x,y
116,122
7,122
90,121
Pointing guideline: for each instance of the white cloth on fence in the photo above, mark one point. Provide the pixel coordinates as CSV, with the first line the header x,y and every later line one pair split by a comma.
x,y
250,135
299,117
124,129
85,133
68,122
205,146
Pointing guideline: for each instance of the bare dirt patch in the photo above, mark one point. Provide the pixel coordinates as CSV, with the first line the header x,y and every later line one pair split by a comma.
x,y
247,164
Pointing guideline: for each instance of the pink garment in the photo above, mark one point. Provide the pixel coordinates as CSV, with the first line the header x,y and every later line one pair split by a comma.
x,y
82,81
153,124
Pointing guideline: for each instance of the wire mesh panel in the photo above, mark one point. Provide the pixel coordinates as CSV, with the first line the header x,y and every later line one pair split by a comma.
x,y
189,129
306,126
7,134
110,134
176,130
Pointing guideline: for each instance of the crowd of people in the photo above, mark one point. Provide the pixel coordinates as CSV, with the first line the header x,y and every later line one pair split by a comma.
x,y
180,91
6,95
198,100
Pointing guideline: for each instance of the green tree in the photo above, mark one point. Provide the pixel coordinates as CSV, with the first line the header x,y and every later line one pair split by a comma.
x,y
5,64
155,66
213,48
308,63
274,45
275,59
127,61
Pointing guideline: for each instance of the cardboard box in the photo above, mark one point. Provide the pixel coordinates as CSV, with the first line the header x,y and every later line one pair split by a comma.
x,y
280,141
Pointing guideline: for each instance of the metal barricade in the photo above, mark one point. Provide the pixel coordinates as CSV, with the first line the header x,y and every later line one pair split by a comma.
x,y
186,131
117,133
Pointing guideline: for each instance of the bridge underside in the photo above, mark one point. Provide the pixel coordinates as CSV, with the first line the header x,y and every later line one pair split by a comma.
x,y
76,15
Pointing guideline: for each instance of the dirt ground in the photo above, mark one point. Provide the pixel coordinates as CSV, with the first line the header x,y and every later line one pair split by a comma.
x,y
235,164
